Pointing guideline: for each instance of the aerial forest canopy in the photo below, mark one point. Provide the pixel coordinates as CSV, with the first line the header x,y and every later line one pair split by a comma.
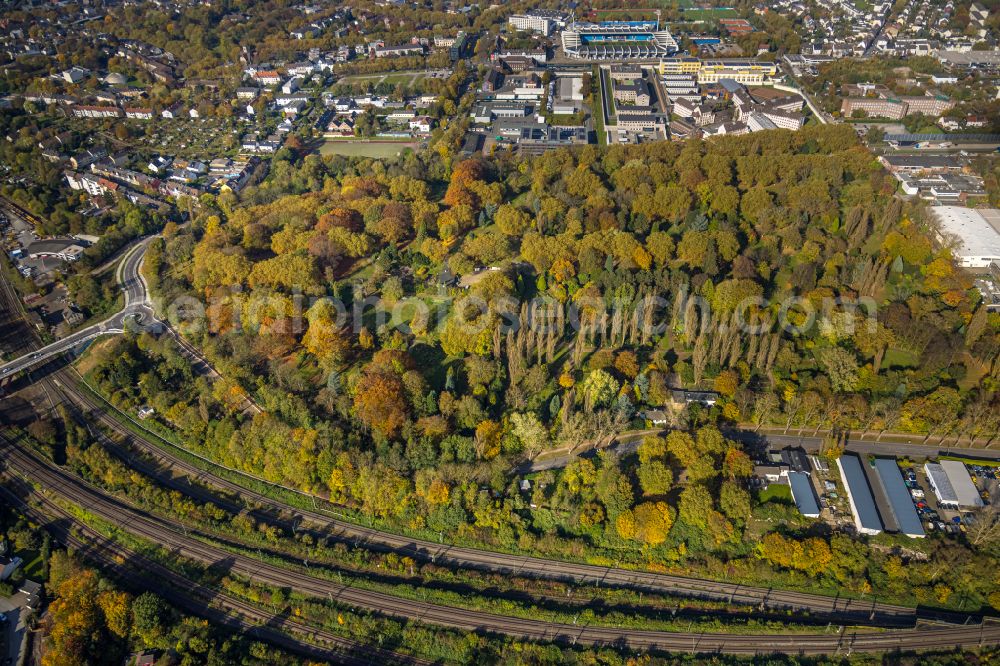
x,y
648,264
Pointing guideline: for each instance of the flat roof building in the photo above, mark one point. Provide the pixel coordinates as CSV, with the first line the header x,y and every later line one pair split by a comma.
x,y
981,60
881,497
917,163
796,460
975,233
803,494
65,249
898,495
942,139
952,484
538,20
859,495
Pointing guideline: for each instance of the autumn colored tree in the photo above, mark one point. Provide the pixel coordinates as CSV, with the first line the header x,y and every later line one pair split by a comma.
x,y
322,337
86,624
627,363
726,383
344,218
737,464
655,478
653,521
461,187
488,439
695,505
511,220
379,402
600,388
734,501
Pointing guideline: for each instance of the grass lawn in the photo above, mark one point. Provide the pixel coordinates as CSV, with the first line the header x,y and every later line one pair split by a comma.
x,y
32,567
392,78
360,78
776,492
626,15
697,14
349,148
404,78
900,358
564,119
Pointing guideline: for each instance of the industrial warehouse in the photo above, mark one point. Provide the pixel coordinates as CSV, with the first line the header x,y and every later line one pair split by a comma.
x,y
973,233
860,496
884,498
952,485
876,494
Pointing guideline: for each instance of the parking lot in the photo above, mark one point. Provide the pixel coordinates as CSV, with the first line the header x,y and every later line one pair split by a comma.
x,y
936,517
18,234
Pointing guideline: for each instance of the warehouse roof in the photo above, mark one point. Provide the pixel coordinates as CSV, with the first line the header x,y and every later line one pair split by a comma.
x,y
882,504
899,497
921,161
977,230
960,480
968,58
941,483
859,494
954,138
803,494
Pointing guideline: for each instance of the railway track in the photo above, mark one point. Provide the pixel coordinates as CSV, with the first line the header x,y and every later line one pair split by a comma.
x,y
137,522
134,570
846,610
851,611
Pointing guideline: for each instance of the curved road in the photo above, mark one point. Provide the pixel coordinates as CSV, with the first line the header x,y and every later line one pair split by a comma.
x,y
519,565
139,523
137,309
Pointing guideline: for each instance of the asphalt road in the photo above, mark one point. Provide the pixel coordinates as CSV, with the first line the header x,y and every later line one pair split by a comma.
x,y
159,463
137,310
518,565
897,445
181,544
180,475
891,445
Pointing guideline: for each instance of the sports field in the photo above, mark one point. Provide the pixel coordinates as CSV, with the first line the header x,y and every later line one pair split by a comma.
x,y
696,14
379,149
392,78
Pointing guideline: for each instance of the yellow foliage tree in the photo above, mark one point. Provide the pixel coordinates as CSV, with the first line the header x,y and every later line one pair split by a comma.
x,y
117,609
437,493
625,524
